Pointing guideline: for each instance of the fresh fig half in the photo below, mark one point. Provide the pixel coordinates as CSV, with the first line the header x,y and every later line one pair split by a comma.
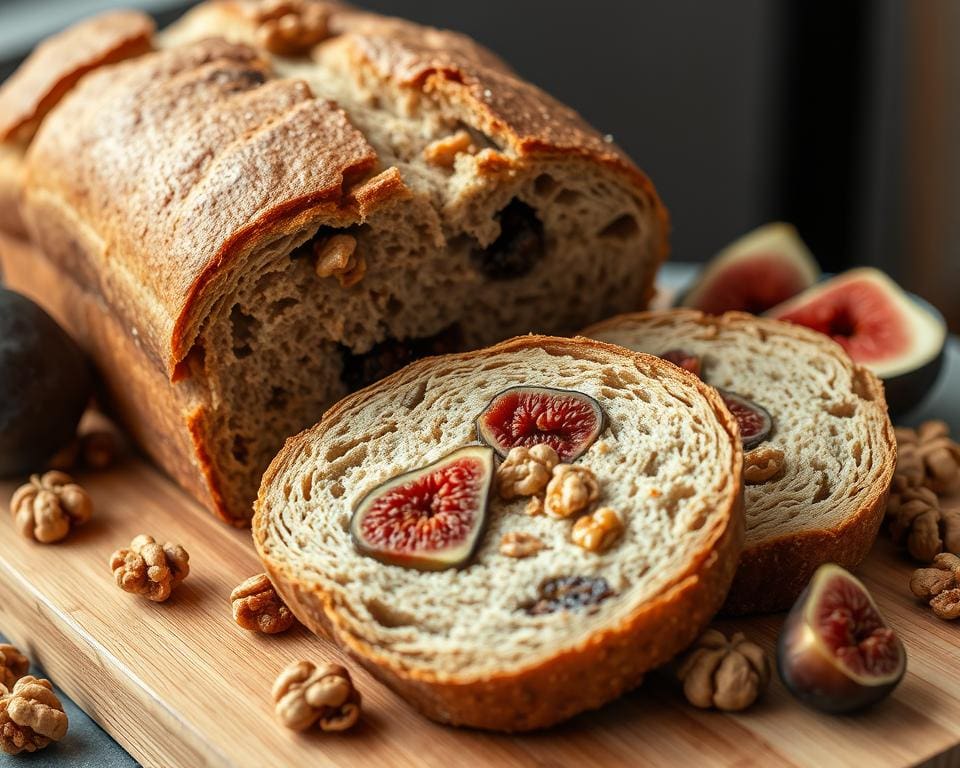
x,y
899,338
431,518
755,421
835,653
763,268
568,421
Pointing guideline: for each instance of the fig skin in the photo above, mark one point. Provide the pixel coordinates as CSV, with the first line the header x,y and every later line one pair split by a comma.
x,y
457,554
805,663
484,434
45,386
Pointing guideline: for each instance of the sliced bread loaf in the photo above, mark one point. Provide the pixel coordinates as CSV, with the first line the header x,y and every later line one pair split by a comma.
x,y
275,225
507,642
825,503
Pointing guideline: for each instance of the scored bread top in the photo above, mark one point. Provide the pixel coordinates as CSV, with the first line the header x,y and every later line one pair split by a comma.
x,y
668,461
168,170
829,416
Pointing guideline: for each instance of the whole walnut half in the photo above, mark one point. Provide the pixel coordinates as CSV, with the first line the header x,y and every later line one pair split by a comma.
x,y
46,508
308,694
31,716
289,27
918,522
13,665
150,569
728,675
928,456
939,585
258,607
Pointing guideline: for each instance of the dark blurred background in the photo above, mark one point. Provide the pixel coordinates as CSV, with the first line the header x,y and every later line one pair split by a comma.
x,y
836,116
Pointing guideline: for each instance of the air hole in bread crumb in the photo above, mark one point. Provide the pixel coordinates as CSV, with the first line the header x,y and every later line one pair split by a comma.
x,y
306,487
844,409
342,449
244,328
677,493
856,451
337,490
824,488
388,615
415,396
240,449
861,385
651,466
567,197
545,185
280,306
621,228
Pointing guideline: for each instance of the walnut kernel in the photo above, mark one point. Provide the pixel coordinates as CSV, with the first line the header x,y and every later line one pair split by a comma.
x,y
917,521
728,675
31,716
571,489
258,607
597,532
150,569
337,257
306,694
48,506
525,471
289,27
763,464
519,544
534,506
13,665
927,455
939,585
443,152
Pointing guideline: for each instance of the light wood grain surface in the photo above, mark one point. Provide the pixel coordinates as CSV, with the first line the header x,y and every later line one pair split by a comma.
x,y
179,684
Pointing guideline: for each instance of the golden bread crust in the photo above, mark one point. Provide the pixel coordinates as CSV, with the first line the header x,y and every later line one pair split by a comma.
x,y
772,573
58,63
226,157
164,418
603,667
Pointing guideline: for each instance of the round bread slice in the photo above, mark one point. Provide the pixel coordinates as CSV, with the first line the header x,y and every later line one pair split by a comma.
x,y
462,644
829,420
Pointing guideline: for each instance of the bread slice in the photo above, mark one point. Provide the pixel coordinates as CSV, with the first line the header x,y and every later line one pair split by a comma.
x,y
272,232
458,644
830,421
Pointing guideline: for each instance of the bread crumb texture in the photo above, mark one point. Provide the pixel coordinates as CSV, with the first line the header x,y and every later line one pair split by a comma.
x,y
662,434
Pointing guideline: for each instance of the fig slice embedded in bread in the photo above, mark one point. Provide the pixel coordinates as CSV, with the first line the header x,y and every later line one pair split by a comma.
x,y
566,420
430,518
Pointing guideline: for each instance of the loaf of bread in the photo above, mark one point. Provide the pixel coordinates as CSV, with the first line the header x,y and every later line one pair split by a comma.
x,y
833,446
463,645
285,201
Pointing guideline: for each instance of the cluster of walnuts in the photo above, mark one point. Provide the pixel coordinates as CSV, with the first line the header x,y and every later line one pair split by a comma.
x,y
928,464
31,715
568,490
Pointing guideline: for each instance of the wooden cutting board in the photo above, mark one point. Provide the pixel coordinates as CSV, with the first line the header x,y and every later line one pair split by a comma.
x,y
179,684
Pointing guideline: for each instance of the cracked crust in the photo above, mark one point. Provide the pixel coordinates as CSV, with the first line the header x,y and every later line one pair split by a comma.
x,y
233,153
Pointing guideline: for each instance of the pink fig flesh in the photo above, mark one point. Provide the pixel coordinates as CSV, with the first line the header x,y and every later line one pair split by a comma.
x,y
566,420
835,652
430,518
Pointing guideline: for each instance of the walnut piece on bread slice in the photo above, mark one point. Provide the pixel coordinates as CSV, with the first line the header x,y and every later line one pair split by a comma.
x,y
518,637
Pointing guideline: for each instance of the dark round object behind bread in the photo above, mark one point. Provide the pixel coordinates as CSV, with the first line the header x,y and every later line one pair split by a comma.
x,y
45,385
